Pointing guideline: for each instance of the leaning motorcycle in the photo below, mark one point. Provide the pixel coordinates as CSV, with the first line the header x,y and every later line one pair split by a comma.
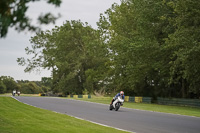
x,y
116,104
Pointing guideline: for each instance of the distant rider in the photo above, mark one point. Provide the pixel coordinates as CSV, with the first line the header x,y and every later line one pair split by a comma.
x,y
14,92
120,94
18,93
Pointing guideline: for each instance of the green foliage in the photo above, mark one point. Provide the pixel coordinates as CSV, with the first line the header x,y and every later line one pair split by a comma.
x,y
2,88
71,51
31,88
85,92
150,43
10,83
184,46
45,89
13,14
46,81
146,48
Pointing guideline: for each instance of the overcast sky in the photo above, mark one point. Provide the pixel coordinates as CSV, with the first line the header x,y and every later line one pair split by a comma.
x,y
12,47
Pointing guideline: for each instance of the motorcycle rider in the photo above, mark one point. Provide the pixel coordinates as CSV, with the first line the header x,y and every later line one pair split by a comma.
x,y
120,94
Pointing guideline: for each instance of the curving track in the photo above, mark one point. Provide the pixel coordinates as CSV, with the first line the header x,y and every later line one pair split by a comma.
x,y
127,119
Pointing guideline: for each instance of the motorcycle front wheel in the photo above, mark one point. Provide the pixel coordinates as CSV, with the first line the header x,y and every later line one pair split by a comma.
x,y
117,106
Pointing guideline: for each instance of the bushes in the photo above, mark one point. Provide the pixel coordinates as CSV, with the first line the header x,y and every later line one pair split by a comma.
x,y
2,88
31,88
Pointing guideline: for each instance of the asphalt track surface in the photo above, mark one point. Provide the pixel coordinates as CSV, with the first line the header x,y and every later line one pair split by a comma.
x,y
128,119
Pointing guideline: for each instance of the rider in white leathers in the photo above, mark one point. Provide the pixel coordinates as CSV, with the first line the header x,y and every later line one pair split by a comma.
x,y
120,94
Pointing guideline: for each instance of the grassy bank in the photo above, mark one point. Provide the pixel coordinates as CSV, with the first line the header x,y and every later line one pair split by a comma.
x,y
16,117
9,95
183,110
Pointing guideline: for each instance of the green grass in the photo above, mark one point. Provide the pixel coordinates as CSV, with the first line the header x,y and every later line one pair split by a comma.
x,y
16,117
9,94
182,110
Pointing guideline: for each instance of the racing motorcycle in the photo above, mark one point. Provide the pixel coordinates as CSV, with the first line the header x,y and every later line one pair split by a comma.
x,y
116,104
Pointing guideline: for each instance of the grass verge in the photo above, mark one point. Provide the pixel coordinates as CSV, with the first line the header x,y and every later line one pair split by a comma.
x,y
16,117
182,110
9,95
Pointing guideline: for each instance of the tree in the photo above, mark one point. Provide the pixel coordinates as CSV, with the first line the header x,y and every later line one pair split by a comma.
x,y
70,51
154,46
45,89
147,48
30,88
117,29
9,82
184,47
13,14
46,81
2,87
134,30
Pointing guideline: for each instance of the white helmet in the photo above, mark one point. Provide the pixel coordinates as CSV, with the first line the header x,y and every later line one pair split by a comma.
x,y
121,93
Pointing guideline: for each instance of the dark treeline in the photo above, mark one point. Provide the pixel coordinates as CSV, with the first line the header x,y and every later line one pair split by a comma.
x,y
8,84
143,47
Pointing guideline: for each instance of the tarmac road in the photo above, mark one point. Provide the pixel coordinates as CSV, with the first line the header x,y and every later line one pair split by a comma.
x,y
128,119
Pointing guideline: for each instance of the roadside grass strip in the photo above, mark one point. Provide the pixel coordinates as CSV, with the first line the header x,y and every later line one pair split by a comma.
x,y
16,117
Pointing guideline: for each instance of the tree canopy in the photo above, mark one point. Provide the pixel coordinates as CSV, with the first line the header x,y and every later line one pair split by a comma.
x,y
8,84
13,14
146,48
